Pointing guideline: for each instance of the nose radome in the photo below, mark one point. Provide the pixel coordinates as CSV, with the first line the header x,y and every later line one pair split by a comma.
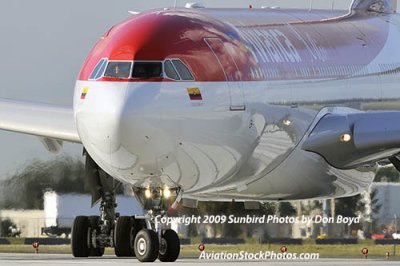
x,y
138,140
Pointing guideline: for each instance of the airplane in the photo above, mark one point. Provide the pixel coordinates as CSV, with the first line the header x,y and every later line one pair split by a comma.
x,y
199,104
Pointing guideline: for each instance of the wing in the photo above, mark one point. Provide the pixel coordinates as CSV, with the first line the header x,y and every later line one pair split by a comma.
x,y
52,124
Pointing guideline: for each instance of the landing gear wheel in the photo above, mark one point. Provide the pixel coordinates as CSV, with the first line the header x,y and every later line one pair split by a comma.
x,y
80,237
124,237
94,226
169,247
146,245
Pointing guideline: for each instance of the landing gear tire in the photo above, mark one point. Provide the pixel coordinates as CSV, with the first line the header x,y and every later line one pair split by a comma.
x,y
146,245
80,238
169,247
124,237
94,226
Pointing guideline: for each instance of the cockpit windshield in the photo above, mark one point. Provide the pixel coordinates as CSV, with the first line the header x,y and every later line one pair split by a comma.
x,y
118,69
176,70
183,71
173,69
147,70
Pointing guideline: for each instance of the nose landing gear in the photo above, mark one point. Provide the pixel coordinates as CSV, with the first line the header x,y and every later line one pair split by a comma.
x,y
140,236
156,240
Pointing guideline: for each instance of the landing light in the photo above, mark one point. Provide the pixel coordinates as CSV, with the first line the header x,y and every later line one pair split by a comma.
x,y
147,193
345,137
167,192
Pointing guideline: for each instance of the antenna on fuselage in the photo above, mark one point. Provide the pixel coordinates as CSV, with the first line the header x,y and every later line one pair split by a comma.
x,y
311,5
176,4
333,5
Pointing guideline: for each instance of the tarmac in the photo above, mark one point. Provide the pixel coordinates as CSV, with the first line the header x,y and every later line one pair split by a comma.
x,y
56,259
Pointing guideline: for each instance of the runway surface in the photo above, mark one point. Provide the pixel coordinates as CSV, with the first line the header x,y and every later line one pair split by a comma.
x,y
55,259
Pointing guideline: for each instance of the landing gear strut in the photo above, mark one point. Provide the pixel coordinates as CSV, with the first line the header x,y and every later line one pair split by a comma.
x,y
95,250
91,235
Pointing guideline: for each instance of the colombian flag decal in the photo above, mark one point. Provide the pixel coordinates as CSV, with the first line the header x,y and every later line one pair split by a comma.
x,y
84,92
194,94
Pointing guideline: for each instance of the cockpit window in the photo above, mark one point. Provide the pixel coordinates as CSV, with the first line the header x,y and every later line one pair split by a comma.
x,y
147,70
118,69
99,69
173,69
170,71
183,70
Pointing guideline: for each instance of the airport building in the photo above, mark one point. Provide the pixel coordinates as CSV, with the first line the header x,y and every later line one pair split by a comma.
x,y
29,222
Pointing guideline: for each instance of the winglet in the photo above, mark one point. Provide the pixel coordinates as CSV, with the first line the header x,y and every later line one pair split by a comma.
x,y
377,6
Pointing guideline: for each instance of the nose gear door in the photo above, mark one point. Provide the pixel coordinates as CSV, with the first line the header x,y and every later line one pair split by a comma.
x,y
231,72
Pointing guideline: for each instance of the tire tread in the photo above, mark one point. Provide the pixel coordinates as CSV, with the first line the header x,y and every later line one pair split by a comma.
x,y
79,242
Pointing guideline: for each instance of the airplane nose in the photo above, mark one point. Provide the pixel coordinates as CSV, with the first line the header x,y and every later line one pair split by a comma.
x,y
138,140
